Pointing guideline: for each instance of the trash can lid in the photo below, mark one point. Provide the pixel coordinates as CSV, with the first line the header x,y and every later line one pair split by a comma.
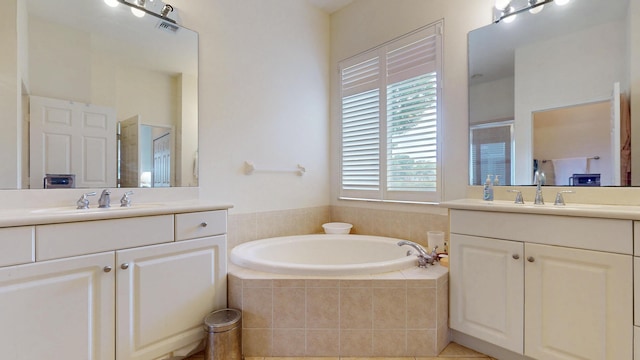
x,y
222,320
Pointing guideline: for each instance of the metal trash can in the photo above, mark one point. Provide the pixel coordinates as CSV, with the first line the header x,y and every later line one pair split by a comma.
x,y
224,338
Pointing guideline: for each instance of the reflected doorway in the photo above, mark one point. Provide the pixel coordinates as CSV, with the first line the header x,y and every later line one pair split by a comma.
x,y
146,154
577,138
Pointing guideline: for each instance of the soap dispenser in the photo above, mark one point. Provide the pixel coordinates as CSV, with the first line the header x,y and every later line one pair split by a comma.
x,y
487,193
496,181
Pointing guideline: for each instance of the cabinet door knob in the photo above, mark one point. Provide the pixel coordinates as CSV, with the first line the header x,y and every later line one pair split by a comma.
x,y
107,268
124,266
203,224
516,256
531,259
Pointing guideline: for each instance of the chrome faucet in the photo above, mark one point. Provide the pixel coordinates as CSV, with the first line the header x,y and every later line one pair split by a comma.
x,y
125,201
424,258
519,199
560,199
83,202
538,182
105,200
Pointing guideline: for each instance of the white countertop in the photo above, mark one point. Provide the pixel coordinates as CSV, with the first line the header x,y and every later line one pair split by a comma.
x,y
627,212
22,217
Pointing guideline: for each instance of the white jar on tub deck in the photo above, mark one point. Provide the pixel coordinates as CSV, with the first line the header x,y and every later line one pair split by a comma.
x,y
337,228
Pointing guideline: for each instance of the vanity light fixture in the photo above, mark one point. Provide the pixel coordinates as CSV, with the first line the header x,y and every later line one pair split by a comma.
x,y
137,11
139,8
112,3
509,12
509,15
502,4
166,9
533,8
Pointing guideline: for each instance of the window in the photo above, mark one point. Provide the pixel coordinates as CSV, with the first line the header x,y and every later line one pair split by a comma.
x,y
390,119
491,152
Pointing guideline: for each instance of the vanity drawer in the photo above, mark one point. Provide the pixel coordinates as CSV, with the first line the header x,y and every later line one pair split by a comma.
x,y
609,235
71,239
16,245
200,224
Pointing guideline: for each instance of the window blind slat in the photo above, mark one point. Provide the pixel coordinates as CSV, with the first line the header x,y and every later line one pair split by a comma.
x,y
361,77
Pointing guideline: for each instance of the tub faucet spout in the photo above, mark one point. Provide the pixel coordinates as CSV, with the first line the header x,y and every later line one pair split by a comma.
x,y
424,258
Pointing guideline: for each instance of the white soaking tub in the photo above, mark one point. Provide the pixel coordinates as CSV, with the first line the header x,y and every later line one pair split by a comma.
x,y
324,254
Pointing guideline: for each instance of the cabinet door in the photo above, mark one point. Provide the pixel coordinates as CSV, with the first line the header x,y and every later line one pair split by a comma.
x,y
163,294
578,304
59,309
487,291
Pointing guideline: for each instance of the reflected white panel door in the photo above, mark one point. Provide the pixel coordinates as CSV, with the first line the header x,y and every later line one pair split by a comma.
x,y
72,138
162,161
163,294
579,304
58,309
615,133
130,152
486,277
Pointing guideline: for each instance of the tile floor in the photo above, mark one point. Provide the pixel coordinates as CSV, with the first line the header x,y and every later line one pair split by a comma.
x,y
452,351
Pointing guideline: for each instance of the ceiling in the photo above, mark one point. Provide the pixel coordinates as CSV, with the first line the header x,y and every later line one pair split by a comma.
x,y
330,6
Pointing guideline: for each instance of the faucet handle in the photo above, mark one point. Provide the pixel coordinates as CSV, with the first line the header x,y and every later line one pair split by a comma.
x,y
83,202
560,198
519,199
125,201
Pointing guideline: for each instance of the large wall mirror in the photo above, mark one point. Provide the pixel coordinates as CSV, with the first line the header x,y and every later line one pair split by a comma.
x,y
550,92
107,97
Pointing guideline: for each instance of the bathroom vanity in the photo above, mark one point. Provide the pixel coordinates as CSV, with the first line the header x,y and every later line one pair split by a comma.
x,y
544,282
110,283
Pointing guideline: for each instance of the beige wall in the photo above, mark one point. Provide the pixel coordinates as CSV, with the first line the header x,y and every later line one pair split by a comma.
x,y
532,90
79,73
574,132
264,70
9,97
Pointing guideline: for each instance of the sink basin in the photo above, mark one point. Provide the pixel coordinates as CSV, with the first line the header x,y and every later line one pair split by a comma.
x,y
74,210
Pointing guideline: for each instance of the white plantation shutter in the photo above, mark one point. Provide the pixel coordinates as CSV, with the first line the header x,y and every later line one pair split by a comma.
x,y
390,98
491,152
361,125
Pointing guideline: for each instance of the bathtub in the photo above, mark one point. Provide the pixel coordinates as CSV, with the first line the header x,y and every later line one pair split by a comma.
x,y
324,254
334,295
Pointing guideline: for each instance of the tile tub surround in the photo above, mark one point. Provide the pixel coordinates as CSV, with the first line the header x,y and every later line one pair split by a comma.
x,y
405,225
452,351
401,313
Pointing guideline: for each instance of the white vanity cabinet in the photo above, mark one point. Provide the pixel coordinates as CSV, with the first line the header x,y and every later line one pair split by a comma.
x,y
578,304
487,289
58,309
120,289
163,294
542,286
